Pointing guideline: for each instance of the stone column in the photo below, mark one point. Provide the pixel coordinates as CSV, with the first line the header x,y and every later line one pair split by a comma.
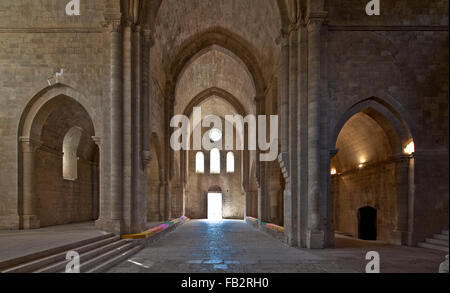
x,y
284,91
116,126
101,195
316,235
169,162
302,137
400,234
128,129
146,46
263,208
283,158
291,203
30,219
138,200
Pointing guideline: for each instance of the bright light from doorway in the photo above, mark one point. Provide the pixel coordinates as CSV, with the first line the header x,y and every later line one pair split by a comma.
x,y
215,206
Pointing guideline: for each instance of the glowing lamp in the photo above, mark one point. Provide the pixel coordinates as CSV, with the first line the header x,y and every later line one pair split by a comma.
x,y
409,149
333,171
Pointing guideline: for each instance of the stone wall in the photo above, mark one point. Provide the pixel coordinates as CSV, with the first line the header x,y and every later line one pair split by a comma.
x,y
401,58
37,39
373,186
230,184
64,201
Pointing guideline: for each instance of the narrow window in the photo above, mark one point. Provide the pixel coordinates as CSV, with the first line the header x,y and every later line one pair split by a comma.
x,y
215,161
70,149
200,163
230,162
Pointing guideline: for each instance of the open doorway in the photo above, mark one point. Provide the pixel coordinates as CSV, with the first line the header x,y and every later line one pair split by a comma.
x,y
214,206
367,218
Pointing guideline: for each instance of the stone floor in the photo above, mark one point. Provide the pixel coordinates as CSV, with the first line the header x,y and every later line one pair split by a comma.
x,y
230,246
15,243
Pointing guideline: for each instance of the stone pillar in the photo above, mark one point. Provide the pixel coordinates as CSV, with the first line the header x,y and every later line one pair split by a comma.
x,y
169,162
292,202
29,217
302,137
400,234
146,156
263,206
138,198
146,46
315,235
284,91
127,136
102,211
116,121
283,158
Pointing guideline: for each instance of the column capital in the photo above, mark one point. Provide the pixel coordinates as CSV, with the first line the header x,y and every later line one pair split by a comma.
x,y
98,140
333,153
149,40
293,27
146,157
112,21
315,20
401,158
283,37
29,145
135,28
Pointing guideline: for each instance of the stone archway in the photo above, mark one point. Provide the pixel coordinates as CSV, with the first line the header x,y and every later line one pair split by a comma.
x,y
45,125
371,167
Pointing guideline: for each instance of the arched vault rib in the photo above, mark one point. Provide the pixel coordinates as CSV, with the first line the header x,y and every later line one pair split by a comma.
x,y
222,38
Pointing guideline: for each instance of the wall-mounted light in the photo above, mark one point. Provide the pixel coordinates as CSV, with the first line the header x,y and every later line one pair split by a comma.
x,y
333,171
409,149
362,162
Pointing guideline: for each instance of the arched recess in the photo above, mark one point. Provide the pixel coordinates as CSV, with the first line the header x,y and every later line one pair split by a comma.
x,y
155,182
45,197
232,183
239,49
234,102
370,167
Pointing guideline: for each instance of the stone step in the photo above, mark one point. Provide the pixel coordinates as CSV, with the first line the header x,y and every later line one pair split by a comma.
x,y
445,232
84,257
440,236
103,258
437,241
433,246
103,267
15,262
60,257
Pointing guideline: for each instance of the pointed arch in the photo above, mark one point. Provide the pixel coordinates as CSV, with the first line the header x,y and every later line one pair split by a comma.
x,y
219,37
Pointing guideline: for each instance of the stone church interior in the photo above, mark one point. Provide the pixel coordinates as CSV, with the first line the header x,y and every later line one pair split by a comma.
x,y
359,91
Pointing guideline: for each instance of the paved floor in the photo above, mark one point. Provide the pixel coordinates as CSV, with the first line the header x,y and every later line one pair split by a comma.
x,y
234,246
15,243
